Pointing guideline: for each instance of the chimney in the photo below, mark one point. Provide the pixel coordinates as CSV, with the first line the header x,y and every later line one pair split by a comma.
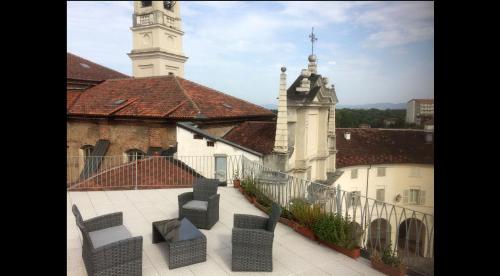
x,y
281,138
312,64
347,135
305,83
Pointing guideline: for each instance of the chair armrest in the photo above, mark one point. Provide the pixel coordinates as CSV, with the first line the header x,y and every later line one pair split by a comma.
x,y
249,221
104,221
213,201
117,253
184,198
252,236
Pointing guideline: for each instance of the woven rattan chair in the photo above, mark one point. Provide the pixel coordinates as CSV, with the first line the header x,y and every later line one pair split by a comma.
x,y
201,206
252,241
108,247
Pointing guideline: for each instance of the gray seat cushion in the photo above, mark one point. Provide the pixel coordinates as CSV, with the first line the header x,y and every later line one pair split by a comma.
x,y
109,235
196,205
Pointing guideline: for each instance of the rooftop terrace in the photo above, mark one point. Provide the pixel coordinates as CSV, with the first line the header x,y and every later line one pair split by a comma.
x,y
293,254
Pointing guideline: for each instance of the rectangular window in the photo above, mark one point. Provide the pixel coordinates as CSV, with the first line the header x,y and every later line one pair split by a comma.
x,y
197,136
354,174
353,199
210,143
414,196
381,195
381,171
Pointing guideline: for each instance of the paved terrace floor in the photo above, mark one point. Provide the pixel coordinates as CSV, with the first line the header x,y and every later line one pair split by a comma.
x,y
292,253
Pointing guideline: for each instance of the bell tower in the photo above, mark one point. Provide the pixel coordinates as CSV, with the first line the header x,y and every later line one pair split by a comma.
x,y
157,39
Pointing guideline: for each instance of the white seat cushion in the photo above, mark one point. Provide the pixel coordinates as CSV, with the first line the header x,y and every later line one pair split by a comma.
x,y
109,235
196,205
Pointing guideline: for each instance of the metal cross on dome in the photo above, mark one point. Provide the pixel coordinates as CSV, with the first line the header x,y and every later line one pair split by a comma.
x,y
313,38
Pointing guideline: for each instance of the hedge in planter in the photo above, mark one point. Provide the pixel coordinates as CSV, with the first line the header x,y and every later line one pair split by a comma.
x,y
339,233
389,263
306,215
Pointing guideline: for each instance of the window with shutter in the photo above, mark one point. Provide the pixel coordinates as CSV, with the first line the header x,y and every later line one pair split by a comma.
x,y
353,199
422,198
381,171
354,173
381,195
405,196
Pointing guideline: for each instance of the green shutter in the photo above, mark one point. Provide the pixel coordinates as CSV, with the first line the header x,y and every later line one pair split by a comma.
x,y
421,197
405,196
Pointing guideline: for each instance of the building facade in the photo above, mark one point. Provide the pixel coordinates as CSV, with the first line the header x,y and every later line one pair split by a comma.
x,y
419,111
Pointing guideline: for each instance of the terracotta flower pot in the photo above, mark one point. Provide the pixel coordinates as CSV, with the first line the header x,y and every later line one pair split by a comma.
x,y
241,189
260,206
387,269
353,253
308,233
290,223
236,183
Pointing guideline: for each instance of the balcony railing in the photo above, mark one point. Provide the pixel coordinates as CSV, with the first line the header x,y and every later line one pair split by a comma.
x,y
411,233
155,17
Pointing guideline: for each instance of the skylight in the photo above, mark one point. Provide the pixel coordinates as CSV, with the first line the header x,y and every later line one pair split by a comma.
x,y
120,101
85,65
227,106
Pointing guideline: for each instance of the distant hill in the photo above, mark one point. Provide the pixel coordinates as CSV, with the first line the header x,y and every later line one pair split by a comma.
x,y
270,106
381,106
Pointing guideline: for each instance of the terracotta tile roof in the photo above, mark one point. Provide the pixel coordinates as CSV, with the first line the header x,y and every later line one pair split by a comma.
x,y
82,69
255,135
167,97
71,96
382,146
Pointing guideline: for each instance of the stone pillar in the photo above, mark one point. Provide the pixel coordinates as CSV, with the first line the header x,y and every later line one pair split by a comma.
x,y
281,138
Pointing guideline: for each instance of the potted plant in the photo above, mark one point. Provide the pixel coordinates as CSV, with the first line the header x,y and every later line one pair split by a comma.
x,y
388,263
262,202
288,219
249,189
236,179
306,215
339,233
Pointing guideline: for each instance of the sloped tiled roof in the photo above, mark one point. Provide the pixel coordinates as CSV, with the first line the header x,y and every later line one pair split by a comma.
x,y
168,97
71,96
382,146
255,135
82,69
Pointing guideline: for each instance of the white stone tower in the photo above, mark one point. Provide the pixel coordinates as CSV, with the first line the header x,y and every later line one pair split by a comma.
x,y
281,140
157,39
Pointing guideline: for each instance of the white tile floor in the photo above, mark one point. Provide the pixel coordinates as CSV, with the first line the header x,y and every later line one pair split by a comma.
x,y
292,253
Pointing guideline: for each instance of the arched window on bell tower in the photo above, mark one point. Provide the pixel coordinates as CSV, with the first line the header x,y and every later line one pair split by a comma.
x,y
168,5
146,3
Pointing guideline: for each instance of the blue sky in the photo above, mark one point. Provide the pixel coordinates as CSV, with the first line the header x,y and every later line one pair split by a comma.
x,y
371,51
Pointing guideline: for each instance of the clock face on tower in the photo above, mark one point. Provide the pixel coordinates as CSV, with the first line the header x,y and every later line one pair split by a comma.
x,y
169,5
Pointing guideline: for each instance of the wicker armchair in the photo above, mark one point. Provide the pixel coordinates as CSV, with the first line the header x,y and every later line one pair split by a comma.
x,y
252,241
201,206
108,247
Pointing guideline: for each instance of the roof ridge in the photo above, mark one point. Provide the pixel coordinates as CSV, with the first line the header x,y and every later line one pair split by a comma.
x,y
185,93
89,61
220,92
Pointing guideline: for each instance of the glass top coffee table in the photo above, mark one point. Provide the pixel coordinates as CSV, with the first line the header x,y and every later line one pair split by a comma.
x,y
186,244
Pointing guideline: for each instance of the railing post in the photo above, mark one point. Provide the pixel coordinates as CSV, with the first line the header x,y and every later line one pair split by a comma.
x,y
136,162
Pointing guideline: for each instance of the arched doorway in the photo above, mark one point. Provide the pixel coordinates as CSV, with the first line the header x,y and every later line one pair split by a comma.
x,y
411,237
379,234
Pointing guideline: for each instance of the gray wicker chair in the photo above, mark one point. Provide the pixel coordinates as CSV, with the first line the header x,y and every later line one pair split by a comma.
x,y
252,241
108,247
201,206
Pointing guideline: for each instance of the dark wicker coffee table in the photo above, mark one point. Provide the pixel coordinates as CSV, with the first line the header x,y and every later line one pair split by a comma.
x,y
186,244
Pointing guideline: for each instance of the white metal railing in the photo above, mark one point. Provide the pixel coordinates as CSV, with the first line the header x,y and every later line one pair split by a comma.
x,y
410,232
119,172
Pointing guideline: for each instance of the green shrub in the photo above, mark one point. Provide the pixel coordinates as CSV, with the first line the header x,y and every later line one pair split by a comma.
x,y
388,257
338,230
248,185
305,213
